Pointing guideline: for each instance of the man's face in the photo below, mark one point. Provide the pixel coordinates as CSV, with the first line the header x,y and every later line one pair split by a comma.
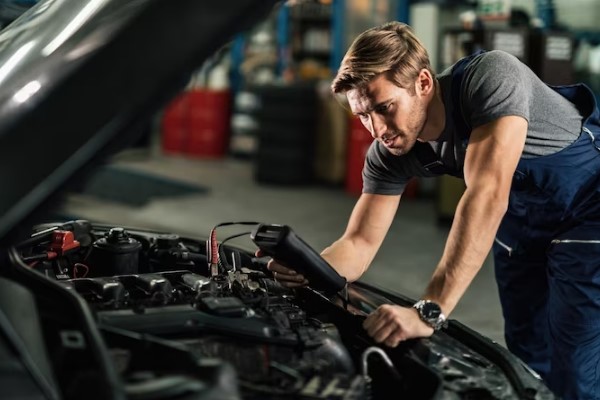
x,y
392,115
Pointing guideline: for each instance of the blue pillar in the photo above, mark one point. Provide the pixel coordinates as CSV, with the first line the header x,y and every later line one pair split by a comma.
x,y
283,38
338,42
546,12
403,12
237,57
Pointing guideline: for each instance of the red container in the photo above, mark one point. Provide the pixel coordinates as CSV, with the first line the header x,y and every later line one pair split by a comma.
x,y
197,123
209,123
174,125
360,140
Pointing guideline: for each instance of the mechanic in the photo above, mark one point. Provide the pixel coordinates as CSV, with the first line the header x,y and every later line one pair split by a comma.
x,y
531,164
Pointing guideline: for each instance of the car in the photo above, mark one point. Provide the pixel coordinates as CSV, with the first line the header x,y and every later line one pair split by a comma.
x,y
96,311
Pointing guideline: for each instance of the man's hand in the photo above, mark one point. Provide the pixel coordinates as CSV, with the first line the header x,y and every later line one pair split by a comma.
x,y
285,276
391,325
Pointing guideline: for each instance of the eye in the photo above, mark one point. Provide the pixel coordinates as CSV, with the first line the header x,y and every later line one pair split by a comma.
x,y
381,109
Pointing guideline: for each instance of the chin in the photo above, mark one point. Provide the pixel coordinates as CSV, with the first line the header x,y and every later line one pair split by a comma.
x,y
396,152
400,151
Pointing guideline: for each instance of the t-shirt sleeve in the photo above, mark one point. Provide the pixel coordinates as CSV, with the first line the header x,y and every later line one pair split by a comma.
x,y
381,174
496,84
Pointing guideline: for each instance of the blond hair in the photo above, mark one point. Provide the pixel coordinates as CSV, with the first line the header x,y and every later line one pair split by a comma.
x,y
391,49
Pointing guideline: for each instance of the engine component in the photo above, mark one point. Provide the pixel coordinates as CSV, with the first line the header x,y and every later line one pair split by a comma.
x,y
223,306
114,254
168,253
63,242
273,344
194,281
107,291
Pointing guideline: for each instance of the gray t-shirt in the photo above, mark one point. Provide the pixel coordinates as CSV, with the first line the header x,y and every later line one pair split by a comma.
x,y
495,84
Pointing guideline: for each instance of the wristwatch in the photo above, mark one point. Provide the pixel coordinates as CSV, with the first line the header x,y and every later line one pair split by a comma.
x,y
431,314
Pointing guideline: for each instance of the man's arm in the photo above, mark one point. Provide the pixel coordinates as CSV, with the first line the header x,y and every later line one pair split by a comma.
x,y
370,221
492,156
351,255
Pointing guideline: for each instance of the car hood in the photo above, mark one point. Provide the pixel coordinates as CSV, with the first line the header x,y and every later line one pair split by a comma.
x,y
80,79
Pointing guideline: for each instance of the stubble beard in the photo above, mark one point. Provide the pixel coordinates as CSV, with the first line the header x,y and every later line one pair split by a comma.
x,y
416,125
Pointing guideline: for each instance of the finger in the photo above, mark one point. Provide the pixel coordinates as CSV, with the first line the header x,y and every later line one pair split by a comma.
x,y
384,333
376,317
293,284
259,253
394,339
375,323
274,266
288,278
399,335
370,320
381,327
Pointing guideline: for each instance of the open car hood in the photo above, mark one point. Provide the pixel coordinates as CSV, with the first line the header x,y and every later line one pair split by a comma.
x,y
84,77
100,312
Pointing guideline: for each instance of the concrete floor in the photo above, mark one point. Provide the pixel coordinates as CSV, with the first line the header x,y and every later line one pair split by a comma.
x,y
318,214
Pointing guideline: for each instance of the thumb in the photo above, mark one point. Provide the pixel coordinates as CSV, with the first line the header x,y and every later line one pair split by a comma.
x,y
259,253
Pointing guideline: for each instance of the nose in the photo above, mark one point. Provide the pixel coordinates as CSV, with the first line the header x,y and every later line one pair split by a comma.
x,y
378,127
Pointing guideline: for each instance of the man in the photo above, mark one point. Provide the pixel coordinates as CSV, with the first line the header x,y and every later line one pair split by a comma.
x,y
531,165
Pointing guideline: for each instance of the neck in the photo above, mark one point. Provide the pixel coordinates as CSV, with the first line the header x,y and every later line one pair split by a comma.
x,y
436,117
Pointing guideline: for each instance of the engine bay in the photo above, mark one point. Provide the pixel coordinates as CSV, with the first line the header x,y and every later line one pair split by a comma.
x,y
185,318
229,309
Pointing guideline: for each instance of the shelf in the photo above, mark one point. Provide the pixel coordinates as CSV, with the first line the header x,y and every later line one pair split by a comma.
x,y
310,38
312,11
319,54
325,20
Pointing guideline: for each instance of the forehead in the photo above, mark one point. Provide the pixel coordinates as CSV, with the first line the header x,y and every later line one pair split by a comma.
x,y
366,96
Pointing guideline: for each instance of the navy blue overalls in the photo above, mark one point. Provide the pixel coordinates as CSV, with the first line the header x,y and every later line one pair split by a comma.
x,y
547,255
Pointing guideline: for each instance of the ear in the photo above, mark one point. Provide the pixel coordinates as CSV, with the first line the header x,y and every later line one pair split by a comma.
x,y
425,83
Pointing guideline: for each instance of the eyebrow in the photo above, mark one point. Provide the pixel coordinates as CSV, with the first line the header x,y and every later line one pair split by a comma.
x,y
381,103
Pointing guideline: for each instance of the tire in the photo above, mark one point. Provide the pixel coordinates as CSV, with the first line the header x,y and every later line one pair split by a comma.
x,y
286,119
283,166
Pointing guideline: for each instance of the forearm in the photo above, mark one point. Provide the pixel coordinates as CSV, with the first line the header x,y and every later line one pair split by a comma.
x,y
476,221
348,257
371,218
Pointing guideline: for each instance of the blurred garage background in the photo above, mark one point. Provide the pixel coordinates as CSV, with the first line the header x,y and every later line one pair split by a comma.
x,y
257,136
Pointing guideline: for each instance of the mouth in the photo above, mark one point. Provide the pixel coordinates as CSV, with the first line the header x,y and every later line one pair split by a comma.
x,y
389,141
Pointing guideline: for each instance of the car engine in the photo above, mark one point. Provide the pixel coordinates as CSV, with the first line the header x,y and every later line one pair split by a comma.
x,y
182,318
162,286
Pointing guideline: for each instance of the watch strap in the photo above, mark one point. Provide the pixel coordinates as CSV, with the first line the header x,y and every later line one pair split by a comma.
x,y
431,313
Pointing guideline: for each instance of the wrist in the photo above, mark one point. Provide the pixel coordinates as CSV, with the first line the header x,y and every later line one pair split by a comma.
x,y
431,314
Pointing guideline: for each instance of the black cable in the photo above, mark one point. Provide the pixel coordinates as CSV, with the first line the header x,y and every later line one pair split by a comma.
x,y
38,237
222,256
267,294
35,257
236,223
209,253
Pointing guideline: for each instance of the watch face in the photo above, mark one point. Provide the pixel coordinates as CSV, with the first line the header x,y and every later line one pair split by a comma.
x,y
431,310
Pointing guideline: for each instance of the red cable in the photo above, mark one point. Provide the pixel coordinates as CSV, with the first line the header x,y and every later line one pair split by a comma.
x,y
214,247
87,269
